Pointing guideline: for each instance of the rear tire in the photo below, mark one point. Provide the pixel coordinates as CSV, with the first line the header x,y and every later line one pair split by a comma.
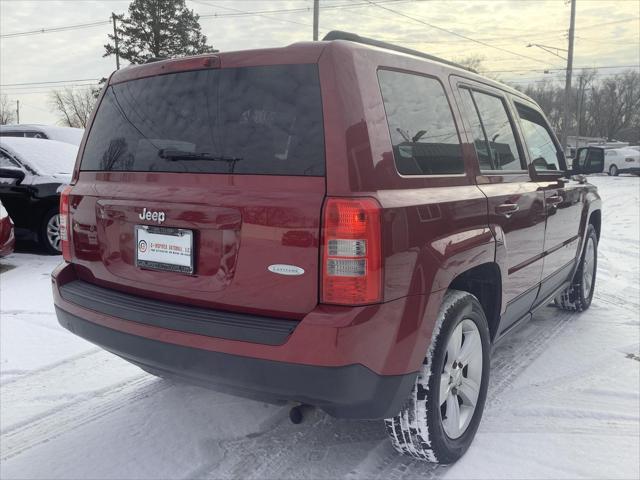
x,y
613,171
441,416
49,232
577,297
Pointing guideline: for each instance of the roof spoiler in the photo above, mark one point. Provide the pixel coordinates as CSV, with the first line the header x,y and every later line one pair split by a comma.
x,y
353,37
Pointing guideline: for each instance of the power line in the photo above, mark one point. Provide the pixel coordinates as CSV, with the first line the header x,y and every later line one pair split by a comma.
x,y
52,81
562,69
415,19
56,29
236,13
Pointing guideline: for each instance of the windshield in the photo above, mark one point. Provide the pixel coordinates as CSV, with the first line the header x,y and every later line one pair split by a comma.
x,y
250,120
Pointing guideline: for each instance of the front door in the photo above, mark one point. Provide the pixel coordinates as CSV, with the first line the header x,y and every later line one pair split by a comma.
x,y
562,199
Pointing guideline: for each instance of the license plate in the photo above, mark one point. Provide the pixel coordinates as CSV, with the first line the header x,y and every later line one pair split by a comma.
x,y
164,248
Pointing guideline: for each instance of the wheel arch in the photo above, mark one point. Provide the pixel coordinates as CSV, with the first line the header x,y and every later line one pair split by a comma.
x,y
485,283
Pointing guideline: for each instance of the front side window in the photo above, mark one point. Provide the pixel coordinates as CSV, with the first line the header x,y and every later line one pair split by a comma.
x,y
540,144
12,134
491,127
423,133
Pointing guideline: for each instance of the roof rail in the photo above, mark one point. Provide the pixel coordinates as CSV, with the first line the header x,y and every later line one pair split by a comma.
x,y
352,37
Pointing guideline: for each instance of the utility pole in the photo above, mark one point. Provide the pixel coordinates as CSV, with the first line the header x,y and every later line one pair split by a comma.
x,y
580,102
115,39
316,14
567,83
18,111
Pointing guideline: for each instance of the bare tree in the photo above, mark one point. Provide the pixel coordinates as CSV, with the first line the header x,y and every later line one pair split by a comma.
x,y
580,95
614,105
7,111
73,106
475,63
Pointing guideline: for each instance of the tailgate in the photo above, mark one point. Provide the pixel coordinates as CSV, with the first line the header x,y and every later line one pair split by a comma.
x,y
206,187
241,227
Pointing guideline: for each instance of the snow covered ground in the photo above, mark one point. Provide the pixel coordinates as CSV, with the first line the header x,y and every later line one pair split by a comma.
x,y
564,400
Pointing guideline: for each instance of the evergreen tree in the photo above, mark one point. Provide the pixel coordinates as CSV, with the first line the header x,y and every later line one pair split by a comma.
x,y
157,28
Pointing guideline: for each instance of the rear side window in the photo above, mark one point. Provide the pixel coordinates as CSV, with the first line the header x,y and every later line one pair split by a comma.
x,y
250,120
540,144
423,133
492,131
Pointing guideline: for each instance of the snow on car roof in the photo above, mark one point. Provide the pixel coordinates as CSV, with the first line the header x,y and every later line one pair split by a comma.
x,y
48,157
53,132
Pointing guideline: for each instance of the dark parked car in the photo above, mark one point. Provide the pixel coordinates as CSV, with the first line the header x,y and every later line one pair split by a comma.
x,y
32,172
328,223
7,237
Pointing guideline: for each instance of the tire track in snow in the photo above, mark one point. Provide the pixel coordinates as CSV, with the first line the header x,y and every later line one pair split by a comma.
x,y
51,366
514,356
45,408
71,416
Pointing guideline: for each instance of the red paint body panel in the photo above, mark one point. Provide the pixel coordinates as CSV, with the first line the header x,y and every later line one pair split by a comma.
x,y
242,224
434,228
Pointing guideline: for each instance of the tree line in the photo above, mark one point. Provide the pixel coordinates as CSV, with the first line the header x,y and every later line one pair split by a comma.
x,y
599,107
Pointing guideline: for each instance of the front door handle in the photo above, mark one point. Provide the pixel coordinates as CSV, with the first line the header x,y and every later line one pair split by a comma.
x,y
507,209
554,200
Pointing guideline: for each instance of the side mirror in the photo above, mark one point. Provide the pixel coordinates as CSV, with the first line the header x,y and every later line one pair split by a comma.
x,y
545,175
14,174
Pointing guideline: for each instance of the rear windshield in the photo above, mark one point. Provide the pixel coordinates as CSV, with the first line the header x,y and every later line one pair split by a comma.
x,y
250,120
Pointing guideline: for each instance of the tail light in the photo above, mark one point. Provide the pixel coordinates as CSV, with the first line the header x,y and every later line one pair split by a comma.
x,y
629,159
65,223
351,251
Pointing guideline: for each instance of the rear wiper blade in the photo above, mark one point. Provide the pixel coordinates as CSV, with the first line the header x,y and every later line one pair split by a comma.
x,y
174,155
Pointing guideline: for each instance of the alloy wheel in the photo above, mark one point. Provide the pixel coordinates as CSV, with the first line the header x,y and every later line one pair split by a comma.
x,y
53,232
461,378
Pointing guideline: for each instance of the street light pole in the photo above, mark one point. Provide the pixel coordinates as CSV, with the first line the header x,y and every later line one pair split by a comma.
x,y
567,83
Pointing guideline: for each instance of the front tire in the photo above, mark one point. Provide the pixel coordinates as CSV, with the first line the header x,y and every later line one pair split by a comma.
x,y
577,296
441,416
49,233
613,171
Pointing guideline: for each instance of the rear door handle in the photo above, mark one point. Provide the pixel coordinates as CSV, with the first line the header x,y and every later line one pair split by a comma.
x,y
507,209
554,200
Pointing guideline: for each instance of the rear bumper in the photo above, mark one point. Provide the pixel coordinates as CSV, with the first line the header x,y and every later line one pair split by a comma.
x,y
352,391
358,362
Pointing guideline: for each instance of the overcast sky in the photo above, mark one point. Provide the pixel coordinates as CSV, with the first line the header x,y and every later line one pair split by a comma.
x,y
607,35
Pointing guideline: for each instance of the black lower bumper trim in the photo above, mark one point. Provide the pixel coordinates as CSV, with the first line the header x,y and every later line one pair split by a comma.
x,y
184,318
351,391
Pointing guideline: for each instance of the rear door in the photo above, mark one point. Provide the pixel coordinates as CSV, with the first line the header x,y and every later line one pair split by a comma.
x,y
206,187
515,202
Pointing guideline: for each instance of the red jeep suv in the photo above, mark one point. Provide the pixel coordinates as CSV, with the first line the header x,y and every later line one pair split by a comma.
x,y
345,224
